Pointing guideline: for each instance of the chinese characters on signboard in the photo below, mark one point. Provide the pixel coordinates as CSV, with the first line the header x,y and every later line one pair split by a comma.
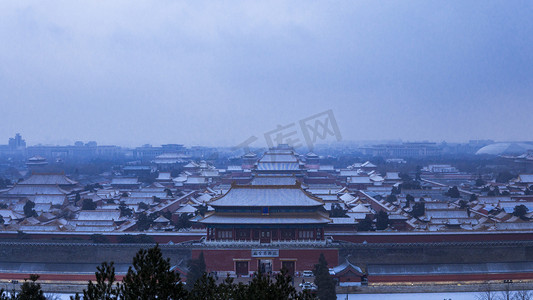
x,y
265,253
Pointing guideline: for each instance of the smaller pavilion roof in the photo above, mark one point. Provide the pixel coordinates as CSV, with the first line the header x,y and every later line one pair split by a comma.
x,y
346,266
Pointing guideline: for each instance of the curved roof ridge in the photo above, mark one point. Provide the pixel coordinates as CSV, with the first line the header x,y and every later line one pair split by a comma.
x,y
276,192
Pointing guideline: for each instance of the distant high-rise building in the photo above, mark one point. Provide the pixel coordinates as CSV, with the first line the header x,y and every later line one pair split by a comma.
x,y
423,149
16,147
17,143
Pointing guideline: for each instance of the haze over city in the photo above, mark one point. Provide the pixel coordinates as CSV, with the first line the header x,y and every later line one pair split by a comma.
x,y
209,73
316,150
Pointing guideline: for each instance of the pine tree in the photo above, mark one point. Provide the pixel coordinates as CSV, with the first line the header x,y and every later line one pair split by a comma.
x,y
125,211
184,221
88,204
144,222
105,287
28,209
30,290
228,289
391,198
473,197
205,288
197,269
520,211
323,280
419,209
453,192
262,287
382,220
365,224
151,278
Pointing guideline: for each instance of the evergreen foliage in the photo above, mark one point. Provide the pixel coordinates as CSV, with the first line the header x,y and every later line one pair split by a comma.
x,y
88,204
419,209
144,222
29,290
473,197
391,198
184,221
150,277
382,220
196,269
323,280
337,211
144,206
125,211
28,209
105,287
409,198
453,192
365,225
520,211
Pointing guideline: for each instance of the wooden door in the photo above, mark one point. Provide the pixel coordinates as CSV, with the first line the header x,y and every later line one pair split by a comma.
x,y
241,268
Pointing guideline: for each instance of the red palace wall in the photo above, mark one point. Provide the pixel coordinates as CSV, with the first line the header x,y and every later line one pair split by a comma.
x,y
112,237
448,277
356,237
305,259
53,277
398,237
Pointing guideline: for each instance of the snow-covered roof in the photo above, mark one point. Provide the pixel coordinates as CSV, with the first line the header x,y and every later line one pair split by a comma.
x,y
525,178
368,165
360,180
164,176
28,189
272,180
7,213
161,219
376,178
360,208
346,197
446,214
99,215
392,176
48,179
266,196
49,199
186,209
124,180
346,265
275,166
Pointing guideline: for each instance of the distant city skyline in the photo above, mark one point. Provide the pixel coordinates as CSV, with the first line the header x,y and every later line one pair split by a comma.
x,y
68,142
205,73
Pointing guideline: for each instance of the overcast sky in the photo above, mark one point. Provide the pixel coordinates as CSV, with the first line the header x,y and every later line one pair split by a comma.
x,y
215,72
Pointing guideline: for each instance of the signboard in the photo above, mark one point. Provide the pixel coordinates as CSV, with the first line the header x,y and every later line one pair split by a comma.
x,y
265,253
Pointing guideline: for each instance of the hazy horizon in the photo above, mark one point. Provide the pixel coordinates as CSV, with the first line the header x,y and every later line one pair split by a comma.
x,y
261,144
207,73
